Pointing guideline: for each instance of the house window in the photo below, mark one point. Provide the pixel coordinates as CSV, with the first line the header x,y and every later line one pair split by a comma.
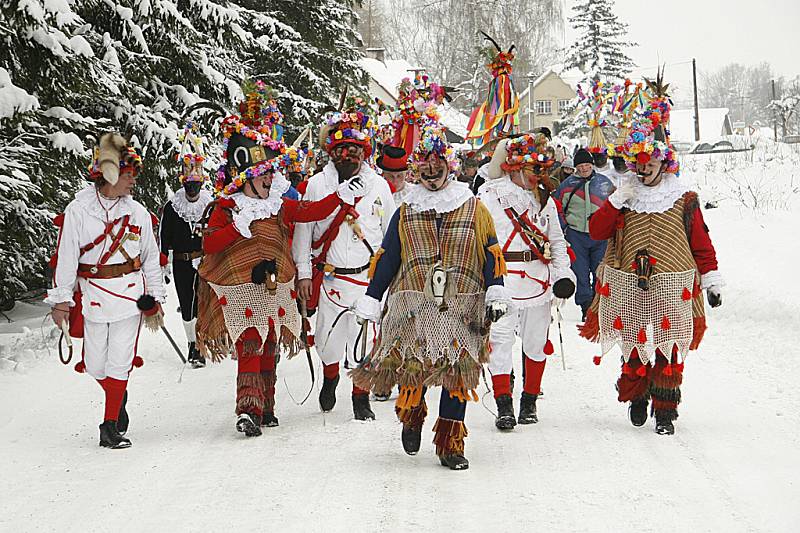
x,y
544,107
562,106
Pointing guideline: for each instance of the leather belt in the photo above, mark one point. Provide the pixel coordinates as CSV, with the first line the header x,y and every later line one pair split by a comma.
x,y
187,256
109,271
525,256
342,271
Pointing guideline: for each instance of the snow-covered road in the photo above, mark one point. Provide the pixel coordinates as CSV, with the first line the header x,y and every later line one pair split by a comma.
x,y
733,464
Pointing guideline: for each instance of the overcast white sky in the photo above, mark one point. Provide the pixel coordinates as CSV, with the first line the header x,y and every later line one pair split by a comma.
x,y
715,32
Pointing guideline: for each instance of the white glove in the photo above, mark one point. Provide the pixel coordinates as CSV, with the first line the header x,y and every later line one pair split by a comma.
x,y
498,302
624,192
166,271
242,221
367,308
714,296
351,189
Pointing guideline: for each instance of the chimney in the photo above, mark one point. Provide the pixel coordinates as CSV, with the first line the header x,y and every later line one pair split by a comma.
x,y
376,53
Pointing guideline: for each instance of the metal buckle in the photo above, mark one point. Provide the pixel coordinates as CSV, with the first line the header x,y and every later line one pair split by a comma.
x,y
94,270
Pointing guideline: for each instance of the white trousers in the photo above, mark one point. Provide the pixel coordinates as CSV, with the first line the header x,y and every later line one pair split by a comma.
x,y
109,347
336,330
531,325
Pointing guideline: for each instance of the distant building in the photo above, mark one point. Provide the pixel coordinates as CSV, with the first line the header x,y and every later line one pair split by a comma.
x,y
552,93
386,74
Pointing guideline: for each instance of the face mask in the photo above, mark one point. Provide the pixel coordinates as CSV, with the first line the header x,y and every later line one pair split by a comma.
x,y
192,188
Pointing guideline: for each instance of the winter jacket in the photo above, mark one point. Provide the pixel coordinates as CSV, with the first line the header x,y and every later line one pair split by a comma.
x,y
581,197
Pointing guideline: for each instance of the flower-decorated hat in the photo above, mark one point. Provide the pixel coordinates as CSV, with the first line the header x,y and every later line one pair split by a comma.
x,y
192,154
649,137
354,125
111,156
525,151
253,140
433,142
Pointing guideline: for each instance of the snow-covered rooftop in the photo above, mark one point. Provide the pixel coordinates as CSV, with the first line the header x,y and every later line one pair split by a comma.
x,y
389,73
712,123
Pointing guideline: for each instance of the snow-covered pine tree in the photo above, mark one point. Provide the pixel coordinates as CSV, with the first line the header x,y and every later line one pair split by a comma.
x,y
598,52
308,56
49,90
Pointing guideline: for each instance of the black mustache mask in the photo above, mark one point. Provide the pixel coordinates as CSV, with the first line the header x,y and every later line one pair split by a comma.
x,y
192,188
346,168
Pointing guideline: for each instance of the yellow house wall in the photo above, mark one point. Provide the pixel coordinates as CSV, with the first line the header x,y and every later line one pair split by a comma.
x,y
551,88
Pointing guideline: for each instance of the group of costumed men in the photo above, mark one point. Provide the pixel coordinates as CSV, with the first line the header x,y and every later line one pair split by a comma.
x,y
411,281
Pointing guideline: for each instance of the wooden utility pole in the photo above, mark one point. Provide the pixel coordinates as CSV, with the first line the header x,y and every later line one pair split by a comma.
x,y
696,104
774,113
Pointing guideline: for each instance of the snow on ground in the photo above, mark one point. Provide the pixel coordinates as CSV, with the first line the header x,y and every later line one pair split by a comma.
x,y
731,466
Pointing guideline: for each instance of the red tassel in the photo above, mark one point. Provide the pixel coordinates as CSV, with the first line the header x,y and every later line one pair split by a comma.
x,y
281,311
596,359
641,338
626,369
686,295
223,300
641,371
604,290
80,367
667,370
138,362
248,312
548,348
665,323
618,323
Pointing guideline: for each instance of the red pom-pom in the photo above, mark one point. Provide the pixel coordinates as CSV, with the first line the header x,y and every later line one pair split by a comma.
x,y
223,300
596,360
281,311
679,367
641,338
138,362
643,158
604,290
571,254
641,371
665,325
618,323
626,369
293,294
548,348
653,261
667,370
686,295
633,265
80,367
310,340
248,312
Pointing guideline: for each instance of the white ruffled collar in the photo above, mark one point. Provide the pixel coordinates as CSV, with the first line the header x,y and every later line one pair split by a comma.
x,y
190,212
442,201
656,199
267,207
95,204
509,194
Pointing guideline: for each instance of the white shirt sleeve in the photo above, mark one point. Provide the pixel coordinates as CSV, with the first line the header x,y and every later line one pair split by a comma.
x,y
303,236
150,255
558,245
66,273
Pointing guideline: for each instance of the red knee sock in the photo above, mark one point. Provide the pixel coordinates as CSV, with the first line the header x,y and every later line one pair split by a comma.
x,y
331,371
501,383
115,390
533,375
